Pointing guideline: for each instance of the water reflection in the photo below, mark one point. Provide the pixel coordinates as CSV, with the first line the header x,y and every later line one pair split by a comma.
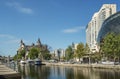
x,y
108,74
60,72
34,72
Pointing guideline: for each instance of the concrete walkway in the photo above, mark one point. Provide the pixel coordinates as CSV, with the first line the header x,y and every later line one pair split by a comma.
x,y
7,73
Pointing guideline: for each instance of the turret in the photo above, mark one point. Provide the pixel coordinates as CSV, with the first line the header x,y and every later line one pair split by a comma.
x,y
39,42
22,44
21,41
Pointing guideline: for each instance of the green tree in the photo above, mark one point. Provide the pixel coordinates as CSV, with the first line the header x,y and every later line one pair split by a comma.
x,y
111,45
46,55
80,50
117,43
21,54
69,53
96,56
19,57
87,49
15,57
108,44
33,53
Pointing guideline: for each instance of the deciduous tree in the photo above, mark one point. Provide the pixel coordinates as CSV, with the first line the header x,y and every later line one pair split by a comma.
x,y
111,45
80,50
69,53
33,53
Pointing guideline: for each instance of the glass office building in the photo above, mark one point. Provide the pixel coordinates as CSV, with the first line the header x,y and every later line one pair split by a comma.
x,y
111,24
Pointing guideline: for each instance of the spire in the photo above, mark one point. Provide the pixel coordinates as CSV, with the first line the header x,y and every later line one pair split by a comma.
x,y
22,43
38,42
73,45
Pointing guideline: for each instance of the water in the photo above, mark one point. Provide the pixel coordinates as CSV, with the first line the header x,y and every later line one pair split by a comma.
x,y
61,72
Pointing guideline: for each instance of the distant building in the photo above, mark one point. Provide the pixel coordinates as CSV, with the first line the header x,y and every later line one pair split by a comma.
x,y
94,26
27,48
59,54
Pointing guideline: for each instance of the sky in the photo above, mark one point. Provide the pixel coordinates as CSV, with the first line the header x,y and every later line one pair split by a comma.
x,y
57,23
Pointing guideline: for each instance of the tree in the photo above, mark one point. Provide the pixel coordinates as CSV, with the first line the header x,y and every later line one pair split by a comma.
x,y
15,57
117,43
88,52
80,50
96,56
33,53
87,49
69,53
46,54
21,54
111,45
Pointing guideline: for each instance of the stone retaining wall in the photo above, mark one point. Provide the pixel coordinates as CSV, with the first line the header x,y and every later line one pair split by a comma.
x,y
86,65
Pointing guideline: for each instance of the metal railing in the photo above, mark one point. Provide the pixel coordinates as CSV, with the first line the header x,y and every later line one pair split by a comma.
x,y
11,65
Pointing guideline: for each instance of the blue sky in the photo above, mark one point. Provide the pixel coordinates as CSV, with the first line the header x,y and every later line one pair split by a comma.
x,y
57,23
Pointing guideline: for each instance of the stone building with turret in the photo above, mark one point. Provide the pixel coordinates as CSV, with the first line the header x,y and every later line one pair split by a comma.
x,y
27,48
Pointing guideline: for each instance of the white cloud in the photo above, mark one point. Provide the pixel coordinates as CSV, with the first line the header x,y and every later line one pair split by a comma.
x,y
19,7
73,30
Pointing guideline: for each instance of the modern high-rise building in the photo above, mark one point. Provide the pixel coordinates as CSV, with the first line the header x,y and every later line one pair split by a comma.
x,y
94,26
110,25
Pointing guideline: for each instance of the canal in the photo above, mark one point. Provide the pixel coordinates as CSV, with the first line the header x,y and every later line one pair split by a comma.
x,y
61,72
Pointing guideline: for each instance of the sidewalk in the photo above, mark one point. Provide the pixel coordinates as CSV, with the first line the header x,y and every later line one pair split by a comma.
x,y
7,73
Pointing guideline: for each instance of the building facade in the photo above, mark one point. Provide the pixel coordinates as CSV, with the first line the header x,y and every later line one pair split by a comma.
x,y
94,26
59,54
111,24
27,48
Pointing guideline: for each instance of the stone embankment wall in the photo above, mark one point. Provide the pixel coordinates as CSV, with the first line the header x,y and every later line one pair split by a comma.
x,y
102,66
